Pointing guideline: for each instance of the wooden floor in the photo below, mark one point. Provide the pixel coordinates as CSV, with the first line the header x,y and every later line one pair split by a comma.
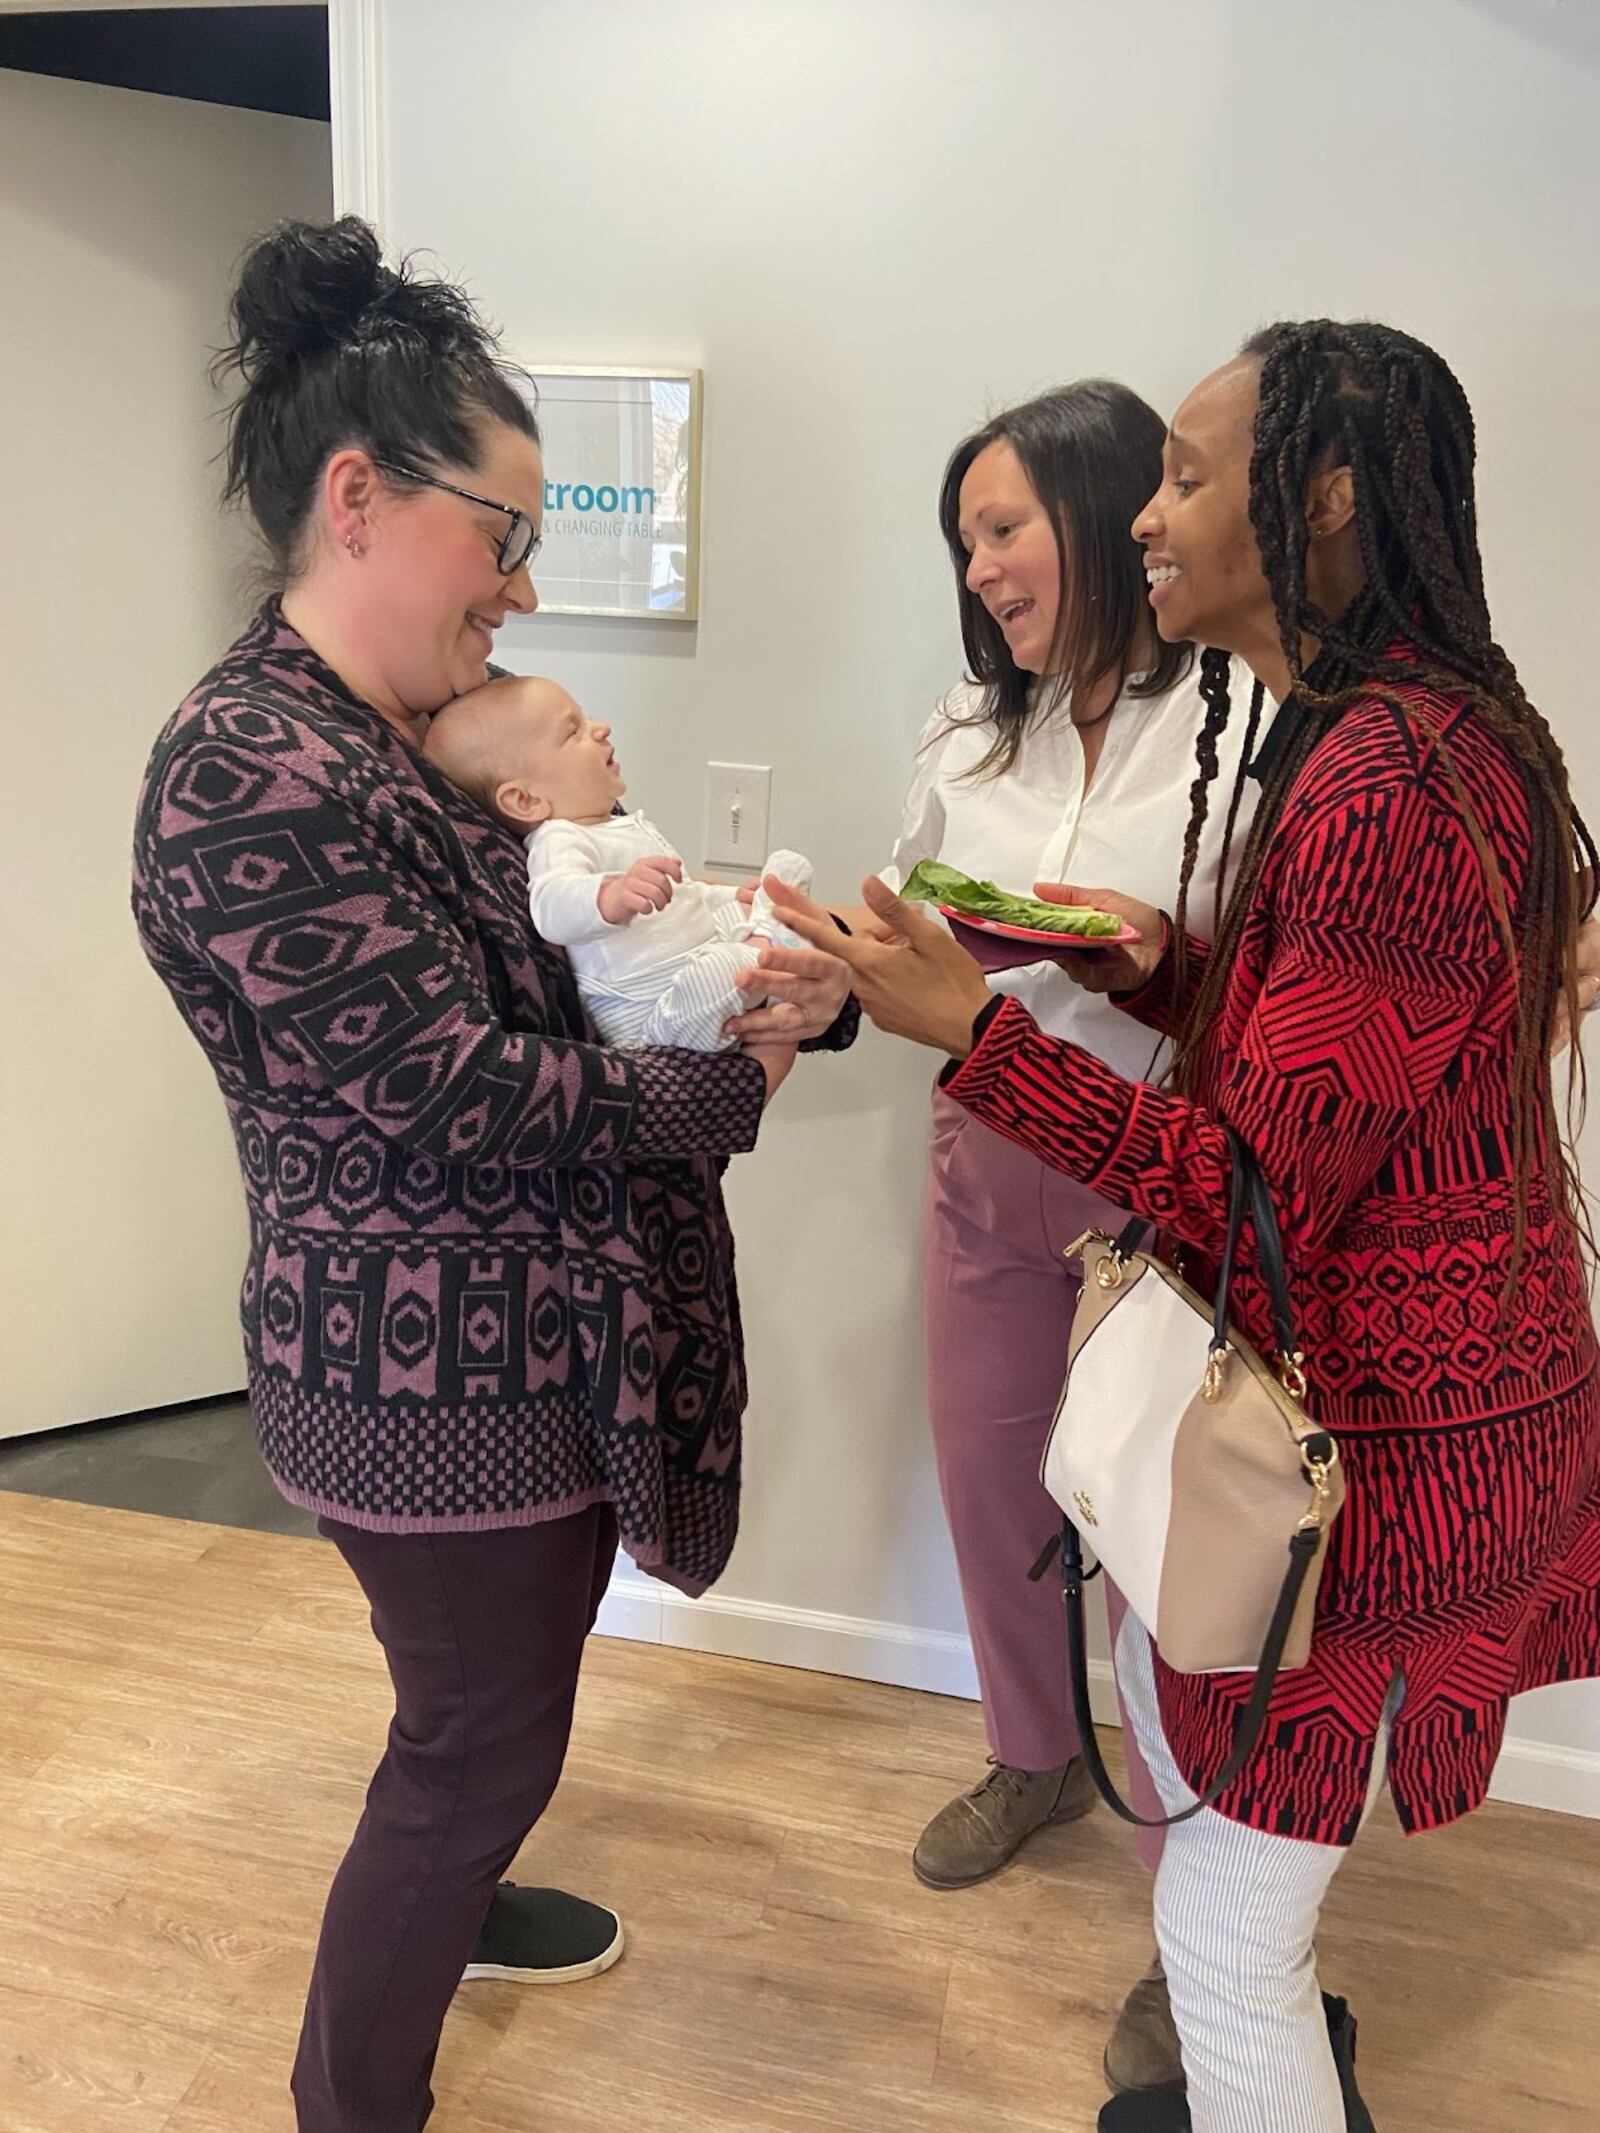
x,y
187,1720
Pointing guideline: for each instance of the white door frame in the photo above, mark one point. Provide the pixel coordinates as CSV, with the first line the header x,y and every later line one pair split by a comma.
x,y
357,89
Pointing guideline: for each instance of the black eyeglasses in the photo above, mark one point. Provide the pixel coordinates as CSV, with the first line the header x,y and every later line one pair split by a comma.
x,y
521,543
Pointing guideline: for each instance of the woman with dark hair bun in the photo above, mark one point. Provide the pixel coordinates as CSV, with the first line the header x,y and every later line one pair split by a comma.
x,y
489,1312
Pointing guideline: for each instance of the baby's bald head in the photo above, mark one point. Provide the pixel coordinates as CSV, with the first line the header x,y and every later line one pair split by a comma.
x,y
526,753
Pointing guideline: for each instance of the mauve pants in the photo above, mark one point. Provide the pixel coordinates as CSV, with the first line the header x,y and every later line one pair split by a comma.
x,y
998,1304
483,1633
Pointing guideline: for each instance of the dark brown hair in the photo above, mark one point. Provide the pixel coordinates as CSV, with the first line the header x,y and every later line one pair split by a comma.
x,y
334,348
1092,453
1385,405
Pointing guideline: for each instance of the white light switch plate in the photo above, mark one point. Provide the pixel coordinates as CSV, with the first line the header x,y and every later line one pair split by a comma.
x,y
738,815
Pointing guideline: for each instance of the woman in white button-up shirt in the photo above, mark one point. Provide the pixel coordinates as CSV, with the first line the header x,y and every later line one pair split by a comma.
x,y
1068,757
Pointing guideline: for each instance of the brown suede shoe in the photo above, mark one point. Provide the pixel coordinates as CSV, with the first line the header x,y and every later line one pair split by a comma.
x,y
977,1833
1144,2053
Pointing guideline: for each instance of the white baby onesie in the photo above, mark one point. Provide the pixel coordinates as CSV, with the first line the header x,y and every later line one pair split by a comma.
x,y
667,977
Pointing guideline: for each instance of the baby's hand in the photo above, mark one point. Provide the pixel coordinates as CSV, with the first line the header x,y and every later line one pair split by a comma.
x,y
647,886
745,894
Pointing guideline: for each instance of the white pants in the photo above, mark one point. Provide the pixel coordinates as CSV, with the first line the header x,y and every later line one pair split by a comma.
x,y
696,993
1236,1917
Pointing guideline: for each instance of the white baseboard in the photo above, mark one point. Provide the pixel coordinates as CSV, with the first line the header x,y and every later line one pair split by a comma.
x,y
861,1650
1530,1773
1534,1773
790,1636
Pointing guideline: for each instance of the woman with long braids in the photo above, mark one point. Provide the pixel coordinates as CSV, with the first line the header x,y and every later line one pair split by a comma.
x,y
1374,1019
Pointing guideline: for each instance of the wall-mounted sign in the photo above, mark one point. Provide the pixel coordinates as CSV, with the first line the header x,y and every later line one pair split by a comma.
x,y
621,492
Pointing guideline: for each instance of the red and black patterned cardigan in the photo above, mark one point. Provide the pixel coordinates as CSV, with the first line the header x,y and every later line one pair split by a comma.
x,y
1364,1051
490,1277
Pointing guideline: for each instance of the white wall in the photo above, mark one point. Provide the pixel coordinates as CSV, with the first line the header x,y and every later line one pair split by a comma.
x,y
873,223
121,1218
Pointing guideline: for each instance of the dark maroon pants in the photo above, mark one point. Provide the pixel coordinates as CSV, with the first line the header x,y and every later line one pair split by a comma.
x,y
483,1633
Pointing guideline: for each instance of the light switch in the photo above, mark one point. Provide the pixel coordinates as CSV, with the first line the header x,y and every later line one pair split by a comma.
x,y
738,815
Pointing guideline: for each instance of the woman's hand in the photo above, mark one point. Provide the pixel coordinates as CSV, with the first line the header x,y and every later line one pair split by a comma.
x,y
855,918
910,976
1108,969
802,991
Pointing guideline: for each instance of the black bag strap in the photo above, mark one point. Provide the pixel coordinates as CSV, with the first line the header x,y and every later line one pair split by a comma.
x,y
1274,1265
1247,1192
1238,1197
1252,1719
1248,1187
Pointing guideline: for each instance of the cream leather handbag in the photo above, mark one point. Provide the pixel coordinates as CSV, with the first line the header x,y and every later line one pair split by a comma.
x,y
1187,1463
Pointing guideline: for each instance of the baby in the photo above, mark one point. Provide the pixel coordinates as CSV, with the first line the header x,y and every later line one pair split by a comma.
x,y
655,955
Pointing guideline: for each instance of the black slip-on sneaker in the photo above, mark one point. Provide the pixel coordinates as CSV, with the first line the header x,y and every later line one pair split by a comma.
x,y
544,1937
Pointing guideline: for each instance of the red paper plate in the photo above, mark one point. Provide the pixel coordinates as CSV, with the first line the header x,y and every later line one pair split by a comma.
x,y
1037,933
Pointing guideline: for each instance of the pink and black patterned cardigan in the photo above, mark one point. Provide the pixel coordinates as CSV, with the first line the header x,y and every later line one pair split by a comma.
x,y
490,1277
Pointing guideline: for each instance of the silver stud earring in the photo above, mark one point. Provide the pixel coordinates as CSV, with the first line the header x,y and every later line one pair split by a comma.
x,y
352,544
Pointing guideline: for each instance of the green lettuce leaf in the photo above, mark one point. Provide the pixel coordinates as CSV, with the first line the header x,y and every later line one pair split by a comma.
x,y
931,882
